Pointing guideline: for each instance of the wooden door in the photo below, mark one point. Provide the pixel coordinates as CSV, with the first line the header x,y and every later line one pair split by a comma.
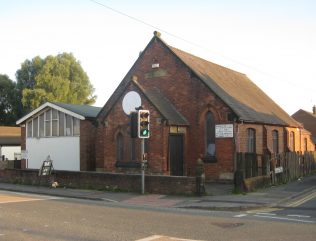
x,y
176,155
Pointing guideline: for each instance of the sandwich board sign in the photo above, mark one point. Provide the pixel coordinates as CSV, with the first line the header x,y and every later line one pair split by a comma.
x,y
46,168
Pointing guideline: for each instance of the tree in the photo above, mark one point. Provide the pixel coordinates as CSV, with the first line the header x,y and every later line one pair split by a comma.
x,y
8,101
56,78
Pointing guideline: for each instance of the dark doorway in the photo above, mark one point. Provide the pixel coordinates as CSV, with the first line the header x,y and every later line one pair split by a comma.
x,y
176,155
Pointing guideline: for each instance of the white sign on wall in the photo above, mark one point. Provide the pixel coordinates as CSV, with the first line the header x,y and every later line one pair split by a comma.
x,y
224,131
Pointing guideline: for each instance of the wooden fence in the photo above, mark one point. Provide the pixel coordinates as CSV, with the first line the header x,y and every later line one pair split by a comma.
x,y
281,167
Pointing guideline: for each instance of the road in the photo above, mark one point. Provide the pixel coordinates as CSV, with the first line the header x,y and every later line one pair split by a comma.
x,y
300,210
34,217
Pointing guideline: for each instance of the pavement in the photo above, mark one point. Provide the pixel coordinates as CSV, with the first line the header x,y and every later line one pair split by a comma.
x,y
219,196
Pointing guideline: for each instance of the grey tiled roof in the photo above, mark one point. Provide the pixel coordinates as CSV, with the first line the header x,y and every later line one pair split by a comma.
x,y
165,107
246,99
84,110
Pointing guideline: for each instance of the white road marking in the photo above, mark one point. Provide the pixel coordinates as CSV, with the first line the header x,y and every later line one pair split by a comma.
x,y
282,218
264,210
109,200
272,214
21,200
164,238
241,215
298,216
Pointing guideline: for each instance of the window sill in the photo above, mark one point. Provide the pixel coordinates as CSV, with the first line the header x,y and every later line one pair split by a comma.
x,y
209,159
128,164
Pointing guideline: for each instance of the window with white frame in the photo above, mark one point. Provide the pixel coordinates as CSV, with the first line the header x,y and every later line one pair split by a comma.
x,y
35,127
76,123
41,125
48,121
68,125
29,129
61,123
52,123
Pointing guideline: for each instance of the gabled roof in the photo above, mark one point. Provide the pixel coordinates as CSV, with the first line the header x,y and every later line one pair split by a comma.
x,y
308,120
79,111
235,89
247,100
83,110
164,106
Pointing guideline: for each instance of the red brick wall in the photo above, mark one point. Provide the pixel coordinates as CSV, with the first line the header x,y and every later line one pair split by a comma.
x,y
191,98
297,139
282,138
242,141
118,122
103,181
87,145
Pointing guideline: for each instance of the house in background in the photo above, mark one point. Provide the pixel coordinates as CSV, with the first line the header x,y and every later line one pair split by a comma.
x,y
308,119
64,131
10,142
198,109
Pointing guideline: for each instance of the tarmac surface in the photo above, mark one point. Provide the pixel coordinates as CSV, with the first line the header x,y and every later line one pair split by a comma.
x,y
219,196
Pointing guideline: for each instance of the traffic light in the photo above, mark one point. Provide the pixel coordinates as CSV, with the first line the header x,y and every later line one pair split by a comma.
x,y
134,124
143,123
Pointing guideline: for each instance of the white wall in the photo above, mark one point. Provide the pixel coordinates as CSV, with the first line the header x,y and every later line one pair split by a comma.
x,y
9,151
64,151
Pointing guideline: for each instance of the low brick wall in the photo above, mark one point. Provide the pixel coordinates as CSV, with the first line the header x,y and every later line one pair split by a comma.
x,y
103,181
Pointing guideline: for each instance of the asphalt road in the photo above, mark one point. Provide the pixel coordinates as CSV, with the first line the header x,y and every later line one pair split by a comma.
x,y
301,210
33,217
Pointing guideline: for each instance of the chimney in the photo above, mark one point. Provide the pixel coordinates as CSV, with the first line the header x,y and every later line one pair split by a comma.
x,y
314,110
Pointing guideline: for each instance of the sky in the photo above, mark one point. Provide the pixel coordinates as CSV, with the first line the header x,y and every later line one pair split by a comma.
x,y
273,42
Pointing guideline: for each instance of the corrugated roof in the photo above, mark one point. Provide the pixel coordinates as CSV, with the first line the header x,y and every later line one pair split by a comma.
x,y
84,110
247,100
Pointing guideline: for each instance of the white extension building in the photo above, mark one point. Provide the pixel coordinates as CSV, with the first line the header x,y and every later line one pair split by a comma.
x,y
62,131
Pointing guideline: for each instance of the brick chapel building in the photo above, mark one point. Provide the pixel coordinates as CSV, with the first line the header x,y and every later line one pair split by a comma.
x,y
198,109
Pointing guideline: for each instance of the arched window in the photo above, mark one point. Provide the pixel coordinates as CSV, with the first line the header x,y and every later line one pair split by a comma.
x,y
305,144
251,143
292,141
275,141
119,147
210,134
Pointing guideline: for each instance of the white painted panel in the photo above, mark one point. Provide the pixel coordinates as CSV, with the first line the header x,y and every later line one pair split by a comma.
x,y
8,151
64,151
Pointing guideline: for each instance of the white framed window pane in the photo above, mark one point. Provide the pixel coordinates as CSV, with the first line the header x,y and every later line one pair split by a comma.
x,y
48,116
29,129
35,127
76,126
41,125
54,122
54,127
68,125
61,124
54,114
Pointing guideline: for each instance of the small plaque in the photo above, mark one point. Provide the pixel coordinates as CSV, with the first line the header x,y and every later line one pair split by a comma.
x,y
224,131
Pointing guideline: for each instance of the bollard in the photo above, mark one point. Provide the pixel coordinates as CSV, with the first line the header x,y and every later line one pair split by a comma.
x,y
200,177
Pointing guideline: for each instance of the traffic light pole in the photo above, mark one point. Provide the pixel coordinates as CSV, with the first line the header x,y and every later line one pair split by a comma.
x,y
143,164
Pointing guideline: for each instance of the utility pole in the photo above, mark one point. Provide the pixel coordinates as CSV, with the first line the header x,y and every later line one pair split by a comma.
x,y
143,164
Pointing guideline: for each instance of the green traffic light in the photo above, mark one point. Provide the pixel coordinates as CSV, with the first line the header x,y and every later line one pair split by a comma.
x,y
145,132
